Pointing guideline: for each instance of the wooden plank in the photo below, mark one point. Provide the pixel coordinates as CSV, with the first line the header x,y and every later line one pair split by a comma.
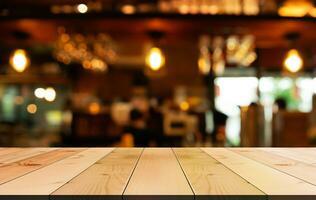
x,y
21,155
13,170
269,180
107,178
299,154
46,180
158,175
8,151
289,166
210,179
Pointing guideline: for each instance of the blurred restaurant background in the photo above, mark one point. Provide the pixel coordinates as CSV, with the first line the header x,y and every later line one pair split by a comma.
x,y
157,73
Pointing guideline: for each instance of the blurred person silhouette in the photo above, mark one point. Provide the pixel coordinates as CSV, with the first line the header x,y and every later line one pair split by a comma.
x,y
252,125
280,104
154,121
66,123
219,128
137,133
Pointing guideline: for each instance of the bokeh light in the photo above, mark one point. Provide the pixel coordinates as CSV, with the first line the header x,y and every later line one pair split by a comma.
x,y
19,60
31,108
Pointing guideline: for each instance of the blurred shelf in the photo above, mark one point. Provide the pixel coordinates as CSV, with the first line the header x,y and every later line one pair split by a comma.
x,y
33,79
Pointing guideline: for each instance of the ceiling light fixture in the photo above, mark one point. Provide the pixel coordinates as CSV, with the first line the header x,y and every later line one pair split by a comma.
x,y
82,8
19,60
155,58
293,61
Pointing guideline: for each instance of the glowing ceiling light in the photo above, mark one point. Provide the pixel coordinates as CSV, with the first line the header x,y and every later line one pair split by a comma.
x,y
155,59
40,93
82,8
293,61
50,94
19,60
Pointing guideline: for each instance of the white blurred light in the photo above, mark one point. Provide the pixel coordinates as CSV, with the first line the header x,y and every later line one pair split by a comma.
x,y
235,92
285,83
155,59
239,91
305,92
314,85
266,85
82,8
40,93
19,60
293,61
50,94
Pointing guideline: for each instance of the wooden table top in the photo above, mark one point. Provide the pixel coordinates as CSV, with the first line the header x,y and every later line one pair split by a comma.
x,y
158,173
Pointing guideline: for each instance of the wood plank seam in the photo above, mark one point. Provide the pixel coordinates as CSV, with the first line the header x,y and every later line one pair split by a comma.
x,y
129,179
211,180
47,179
80,173
236,174
158,176
270,180
106,179
185,175
39,167
275,167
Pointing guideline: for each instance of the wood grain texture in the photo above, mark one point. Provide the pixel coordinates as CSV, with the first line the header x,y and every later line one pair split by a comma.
x,y
107,178
46,180
267,179
8,151
306,155
23,154
17,169
158,175
211,180
289,166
